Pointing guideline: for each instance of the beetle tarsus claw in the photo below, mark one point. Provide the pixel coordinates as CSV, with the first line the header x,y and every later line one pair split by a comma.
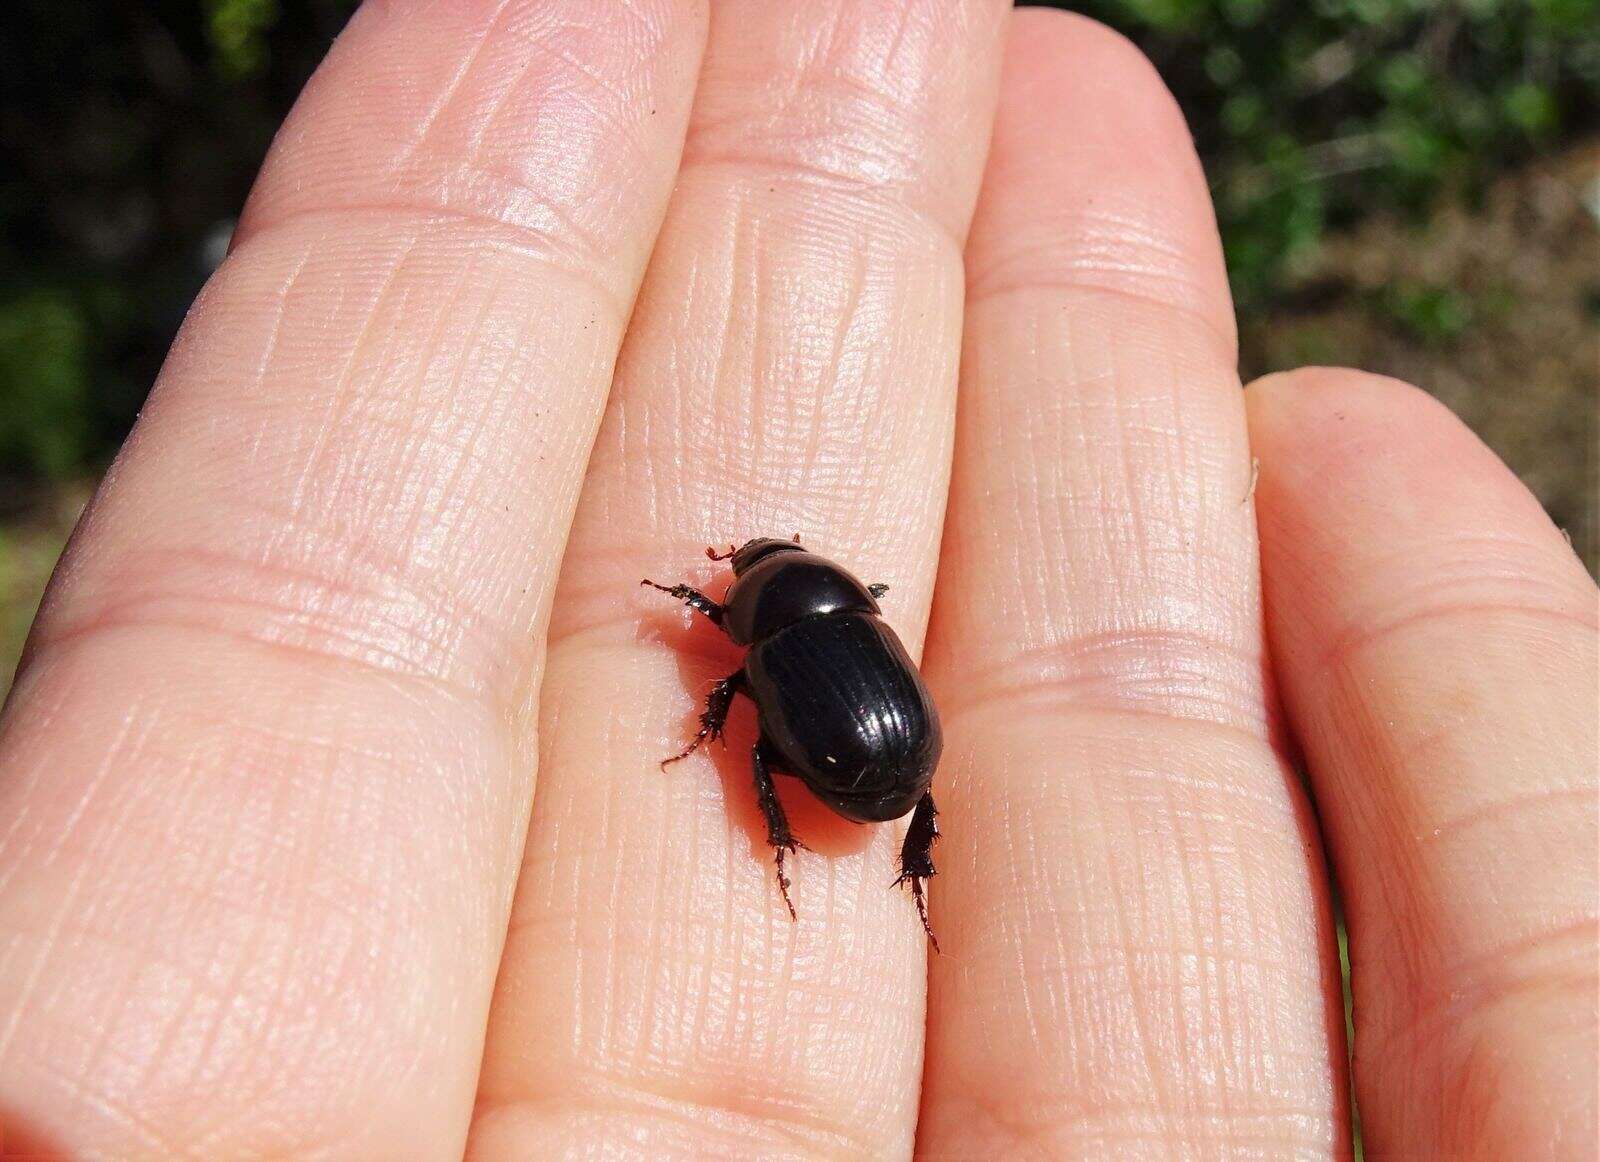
x,y
778,834
714,717
691,597
916,857
918,886
783,885
922,913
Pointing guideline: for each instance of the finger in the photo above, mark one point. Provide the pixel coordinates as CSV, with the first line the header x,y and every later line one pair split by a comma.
x,y
1436,641
791,367
268,762
1138,952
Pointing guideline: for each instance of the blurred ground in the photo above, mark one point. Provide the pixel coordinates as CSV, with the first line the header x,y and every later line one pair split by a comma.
x,y
1493,308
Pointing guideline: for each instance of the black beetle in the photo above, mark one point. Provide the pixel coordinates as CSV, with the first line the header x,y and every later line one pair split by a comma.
x,y
839,701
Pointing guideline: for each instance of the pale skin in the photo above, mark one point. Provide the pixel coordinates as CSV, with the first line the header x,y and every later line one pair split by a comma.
x,y
330,819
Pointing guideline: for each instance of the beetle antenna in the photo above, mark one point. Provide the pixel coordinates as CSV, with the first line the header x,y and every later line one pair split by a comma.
x,y
716,556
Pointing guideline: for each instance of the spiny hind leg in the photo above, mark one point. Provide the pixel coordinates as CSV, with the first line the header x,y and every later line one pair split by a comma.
x,y
916,857
714,717
778,834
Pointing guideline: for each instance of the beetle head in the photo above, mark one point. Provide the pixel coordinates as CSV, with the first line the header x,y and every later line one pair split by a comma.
x,y
755,550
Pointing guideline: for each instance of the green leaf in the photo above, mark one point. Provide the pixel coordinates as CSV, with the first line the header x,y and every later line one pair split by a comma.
x,y
237,30
1531,108
44,382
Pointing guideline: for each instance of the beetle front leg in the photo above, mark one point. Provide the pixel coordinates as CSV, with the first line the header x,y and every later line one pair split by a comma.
x,y
916,857
691,597
778,833
714,717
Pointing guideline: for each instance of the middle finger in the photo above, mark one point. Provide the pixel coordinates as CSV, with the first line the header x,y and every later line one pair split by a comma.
x,y
790,367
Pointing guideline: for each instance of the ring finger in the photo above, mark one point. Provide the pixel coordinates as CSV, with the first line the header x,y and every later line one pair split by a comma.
x,y
1139,947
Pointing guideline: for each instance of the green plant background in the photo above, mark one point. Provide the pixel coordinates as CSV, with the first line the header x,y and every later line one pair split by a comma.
x,y
1313,114
1407,185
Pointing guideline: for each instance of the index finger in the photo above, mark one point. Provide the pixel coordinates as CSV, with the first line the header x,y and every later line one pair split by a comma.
x,y
268,760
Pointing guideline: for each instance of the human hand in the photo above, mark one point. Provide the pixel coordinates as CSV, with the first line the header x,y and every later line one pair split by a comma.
x,y
274,877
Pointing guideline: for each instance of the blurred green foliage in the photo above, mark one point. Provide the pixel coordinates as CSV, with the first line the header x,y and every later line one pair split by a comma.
x,y
44,355
238,31
131,133
1312,113
129,137
1430,314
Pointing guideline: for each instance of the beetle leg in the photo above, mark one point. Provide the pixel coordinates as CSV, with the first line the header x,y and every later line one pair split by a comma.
x,y
877,589
916,857
691,597
778,833
714,717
